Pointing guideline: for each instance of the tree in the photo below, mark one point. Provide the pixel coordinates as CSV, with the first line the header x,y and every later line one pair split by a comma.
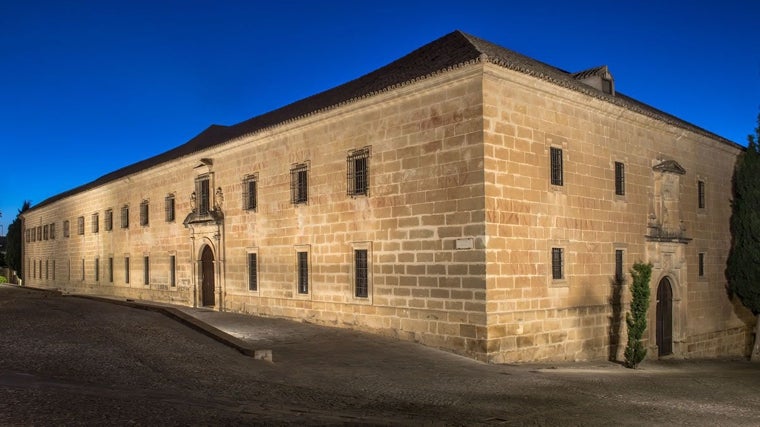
x,y
743,265
636,319
14,236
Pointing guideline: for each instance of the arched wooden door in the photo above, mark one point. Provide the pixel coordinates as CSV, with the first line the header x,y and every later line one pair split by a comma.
x,y
664,318
207,277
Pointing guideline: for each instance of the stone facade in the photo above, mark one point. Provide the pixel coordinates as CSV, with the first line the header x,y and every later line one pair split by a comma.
x,y
461,224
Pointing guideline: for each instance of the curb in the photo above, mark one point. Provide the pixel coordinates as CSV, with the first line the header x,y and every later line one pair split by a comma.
x,y
192,322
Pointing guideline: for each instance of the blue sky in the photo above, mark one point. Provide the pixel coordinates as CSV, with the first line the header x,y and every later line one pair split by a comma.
x,y
87,87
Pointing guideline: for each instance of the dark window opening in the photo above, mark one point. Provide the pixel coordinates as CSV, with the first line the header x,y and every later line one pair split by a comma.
x,y
558,262
253,278
126,270
701,194
358,172
303,272
95,223
172,271
144,213
556,166
125,217
169,208
361,273
203,189
299,183
701,269
146,270
619,266
108,220
80,225
249,193
619,179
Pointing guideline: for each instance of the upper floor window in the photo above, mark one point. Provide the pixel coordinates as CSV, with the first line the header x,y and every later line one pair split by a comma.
x,y
203,194
558,263
80,225
619,178
250,193
701,264
95,223
144,217
108,220
66,228
39,232
45,232
701,194
556,166
125,216
169,208
299,183
358,172
52,231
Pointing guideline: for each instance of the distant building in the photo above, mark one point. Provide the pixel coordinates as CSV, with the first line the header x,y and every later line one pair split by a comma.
x,y
463,196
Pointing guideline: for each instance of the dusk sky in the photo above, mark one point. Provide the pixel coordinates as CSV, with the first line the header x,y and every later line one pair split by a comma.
x,y
91,86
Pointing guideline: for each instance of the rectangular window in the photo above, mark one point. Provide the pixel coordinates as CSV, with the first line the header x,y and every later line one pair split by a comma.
x,y
358,172
303,272
146,270
172,271
45,232
66,228
126,270
95,223
169,208
203,191
249,193
52,231
53,269
47,270
701,269
26,235
619,179
83,269
619,266
110,269
34,269
253,272
701,194
144,217
299,183
80,225
97,269
125,216
108,221
361,273
556,166
558,263
39,232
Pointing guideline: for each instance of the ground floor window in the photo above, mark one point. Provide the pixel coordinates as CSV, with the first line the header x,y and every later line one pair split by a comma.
x,y
253,272
303,272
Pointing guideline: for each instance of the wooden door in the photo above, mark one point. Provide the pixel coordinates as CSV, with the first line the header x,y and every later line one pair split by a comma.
x,y
664,317
207,277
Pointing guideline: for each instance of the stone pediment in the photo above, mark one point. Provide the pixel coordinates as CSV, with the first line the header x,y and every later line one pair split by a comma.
x,y
669,166
212,217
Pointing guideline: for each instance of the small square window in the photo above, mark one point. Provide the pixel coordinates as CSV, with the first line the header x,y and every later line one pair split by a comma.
x,y
556,166
558,263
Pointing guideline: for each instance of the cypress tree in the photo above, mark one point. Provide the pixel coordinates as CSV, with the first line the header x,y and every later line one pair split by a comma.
x,y
743,266
636,319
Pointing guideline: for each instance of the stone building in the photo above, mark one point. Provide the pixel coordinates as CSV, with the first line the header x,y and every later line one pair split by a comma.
x,y
464,196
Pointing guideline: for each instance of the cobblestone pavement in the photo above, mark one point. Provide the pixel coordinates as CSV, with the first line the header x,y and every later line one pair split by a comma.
x,y
75,361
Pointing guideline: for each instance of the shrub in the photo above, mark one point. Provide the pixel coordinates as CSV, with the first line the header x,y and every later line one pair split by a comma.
x,y
3,279
636,319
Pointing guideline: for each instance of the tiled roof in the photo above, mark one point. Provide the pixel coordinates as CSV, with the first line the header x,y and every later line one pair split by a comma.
x,y
450,51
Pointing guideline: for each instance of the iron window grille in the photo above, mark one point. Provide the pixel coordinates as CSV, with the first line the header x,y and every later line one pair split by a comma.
x,y
303,272
125,216
169,208
203,191
701,194
97,269
110,269
299,183
701,265
250,196
52,231
361,273
95,223
39,231
108,220
172,271
66,228
619,266
82,269
45,232
358,172
80,225
558,261
146,270
556,166
126,270
253,272
619,179
144,213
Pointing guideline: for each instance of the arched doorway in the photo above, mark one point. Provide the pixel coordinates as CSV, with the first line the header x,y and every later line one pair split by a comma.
x,y
207,277
664,317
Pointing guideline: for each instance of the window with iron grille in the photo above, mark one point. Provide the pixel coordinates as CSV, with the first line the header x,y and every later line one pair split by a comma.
x,y
203,194
80,225
249,192
556,166
701,194
52,231
172,271
146,270
253,272
83,269
701,265
39,232
361,272
169,208
558,263
95,223
97,269
108,220
299,183
303,272
110,269
125,216
45,232
358,172
66,228
26,235
619,266
144,213
126,270
619,179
